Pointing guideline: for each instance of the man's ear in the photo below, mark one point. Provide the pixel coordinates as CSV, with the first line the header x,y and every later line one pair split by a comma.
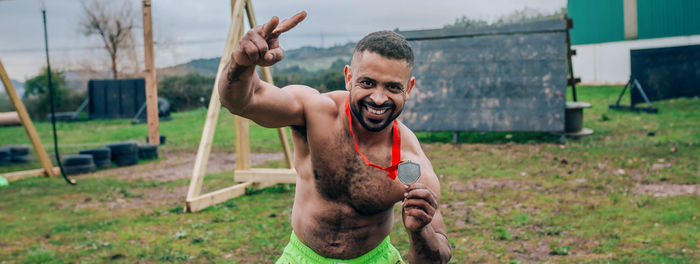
x,y
348,76
409,87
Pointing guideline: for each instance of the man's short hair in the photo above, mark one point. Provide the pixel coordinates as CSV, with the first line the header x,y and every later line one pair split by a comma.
x,y
388,44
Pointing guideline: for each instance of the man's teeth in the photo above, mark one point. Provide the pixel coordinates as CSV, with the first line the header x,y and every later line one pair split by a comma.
x,y
376,111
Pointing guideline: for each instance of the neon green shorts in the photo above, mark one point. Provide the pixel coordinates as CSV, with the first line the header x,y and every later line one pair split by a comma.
x,y
297,253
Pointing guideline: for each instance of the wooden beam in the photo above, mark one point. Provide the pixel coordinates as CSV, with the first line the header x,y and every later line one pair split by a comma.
x,y
266,175
204,149
242,143
150,74
18,175
26,122
212,198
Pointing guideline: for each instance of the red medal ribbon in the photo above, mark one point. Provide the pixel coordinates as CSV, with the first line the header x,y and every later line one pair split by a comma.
x,y
395,147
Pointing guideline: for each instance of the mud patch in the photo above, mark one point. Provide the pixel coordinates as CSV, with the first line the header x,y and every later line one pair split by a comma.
x,y
665,190
177,166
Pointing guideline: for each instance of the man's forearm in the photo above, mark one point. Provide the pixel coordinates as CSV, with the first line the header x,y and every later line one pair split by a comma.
x,y
237,86
428,246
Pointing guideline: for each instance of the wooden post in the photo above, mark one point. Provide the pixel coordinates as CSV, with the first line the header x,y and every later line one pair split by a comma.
x,y
27,123
151,81
242,143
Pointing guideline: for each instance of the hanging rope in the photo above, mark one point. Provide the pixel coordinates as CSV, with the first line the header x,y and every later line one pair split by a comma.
x,y
51,99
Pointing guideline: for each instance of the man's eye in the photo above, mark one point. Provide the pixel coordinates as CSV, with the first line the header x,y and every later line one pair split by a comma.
x,y
366,83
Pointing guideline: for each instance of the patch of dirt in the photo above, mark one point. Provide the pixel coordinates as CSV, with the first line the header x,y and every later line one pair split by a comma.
x,y
664,190
175,166
178,166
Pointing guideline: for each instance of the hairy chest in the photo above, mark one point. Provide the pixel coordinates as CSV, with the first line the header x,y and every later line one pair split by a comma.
x,y
341,175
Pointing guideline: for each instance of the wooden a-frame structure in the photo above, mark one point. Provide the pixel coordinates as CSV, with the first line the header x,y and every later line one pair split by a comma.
x,y
249,177
47,168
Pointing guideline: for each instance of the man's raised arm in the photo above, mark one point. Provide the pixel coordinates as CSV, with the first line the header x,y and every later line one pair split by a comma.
x,y
241,90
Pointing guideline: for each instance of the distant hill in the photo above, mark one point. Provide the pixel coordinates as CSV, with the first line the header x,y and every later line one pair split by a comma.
x,y
307,58
206,67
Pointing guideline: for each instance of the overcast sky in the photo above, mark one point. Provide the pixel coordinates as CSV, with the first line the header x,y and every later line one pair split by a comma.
x,y
186,30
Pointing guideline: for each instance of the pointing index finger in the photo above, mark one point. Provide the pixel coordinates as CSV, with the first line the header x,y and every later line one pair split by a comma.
x,y
289,23
268,27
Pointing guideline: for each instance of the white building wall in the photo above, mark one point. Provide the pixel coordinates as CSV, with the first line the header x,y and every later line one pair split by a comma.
x,y
609,63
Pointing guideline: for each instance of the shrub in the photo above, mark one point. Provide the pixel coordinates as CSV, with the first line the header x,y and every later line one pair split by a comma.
x,y
186,92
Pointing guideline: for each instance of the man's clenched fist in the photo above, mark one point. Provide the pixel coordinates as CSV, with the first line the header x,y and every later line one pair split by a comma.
x,y
419,207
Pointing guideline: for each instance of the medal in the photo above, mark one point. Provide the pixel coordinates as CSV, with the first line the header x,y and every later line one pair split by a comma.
x,y
408,172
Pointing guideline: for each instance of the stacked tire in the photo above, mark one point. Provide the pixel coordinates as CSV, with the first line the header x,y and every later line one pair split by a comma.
x,y
101,156
148,151
5,156
78,164
124,153
14,154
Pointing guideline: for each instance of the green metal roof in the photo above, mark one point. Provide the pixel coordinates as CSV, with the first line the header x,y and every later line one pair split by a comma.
x,y
597,21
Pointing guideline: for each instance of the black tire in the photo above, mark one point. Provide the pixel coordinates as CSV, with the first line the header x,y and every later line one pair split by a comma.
x,y
162,139
103,163
19,159
126,159
4,161
19,150
5,152
75,160
128,147
61,116
163,107
98,153
79,169
147,148
148,155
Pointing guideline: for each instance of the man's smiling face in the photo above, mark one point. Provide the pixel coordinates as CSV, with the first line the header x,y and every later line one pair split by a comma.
x,y
379,87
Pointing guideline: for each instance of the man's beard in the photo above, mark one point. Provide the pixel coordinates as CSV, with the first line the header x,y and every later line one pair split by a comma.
x,y
371,126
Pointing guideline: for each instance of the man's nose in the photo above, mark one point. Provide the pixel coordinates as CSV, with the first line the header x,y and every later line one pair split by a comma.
x,y
378,97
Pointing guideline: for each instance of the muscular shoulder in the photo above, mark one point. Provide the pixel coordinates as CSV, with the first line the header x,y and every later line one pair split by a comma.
x,y
315,104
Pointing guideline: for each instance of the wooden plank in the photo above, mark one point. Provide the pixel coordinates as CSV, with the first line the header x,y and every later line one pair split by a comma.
x,y
216,197
150,74
282,133
204,149
242,143
266,175
26,122
18,175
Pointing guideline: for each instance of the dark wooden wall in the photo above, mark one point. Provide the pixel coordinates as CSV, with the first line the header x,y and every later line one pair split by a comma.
x,y
666,72
116,98
495,78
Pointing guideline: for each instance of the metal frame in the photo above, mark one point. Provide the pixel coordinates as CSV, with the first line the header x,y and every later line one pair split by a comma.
x,y
633,83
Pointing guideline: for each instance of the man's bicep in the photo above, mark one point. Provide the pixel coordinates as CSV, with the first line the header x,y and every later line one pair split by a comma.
x,y
279,107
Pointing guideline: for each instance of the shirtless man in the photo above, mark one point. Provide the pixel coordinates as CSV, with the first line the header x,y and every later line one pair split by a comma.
x,y
342,207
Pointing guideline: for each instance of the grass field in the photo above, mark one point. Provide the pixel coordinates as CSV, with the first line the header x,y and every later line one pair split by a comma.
x,y
620,195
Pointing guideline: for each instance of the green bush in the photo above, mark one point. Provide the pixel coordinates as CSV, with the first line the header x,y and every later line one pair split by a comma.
x,y
37,97
186,92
